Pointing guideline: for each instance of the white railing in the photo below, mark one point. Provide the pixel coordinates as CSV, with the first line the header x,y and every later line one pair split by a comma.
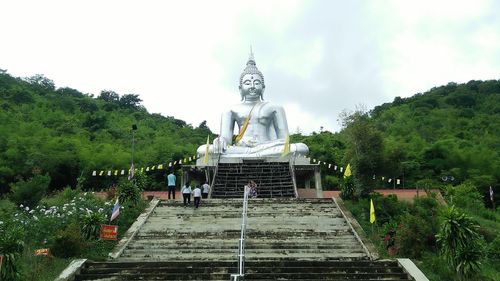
x,y
241,245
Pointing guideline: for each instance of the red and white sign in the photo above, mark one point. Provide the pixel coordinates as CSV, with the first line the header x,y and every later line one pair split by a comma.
x,y
109,232
42,252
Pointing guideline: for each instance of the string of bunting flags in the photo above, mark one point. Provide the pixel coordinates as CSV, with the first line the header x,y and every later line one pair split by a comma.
x,y
122,172
343,170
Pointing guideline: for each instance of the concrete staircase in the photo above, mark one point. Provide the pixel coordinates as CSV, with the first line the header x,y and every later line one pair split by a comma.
x,y
287,239
269,270
273,179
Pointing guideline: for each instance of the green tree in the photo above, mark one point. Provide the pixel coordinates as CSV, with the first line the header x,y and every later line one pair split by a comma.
x,y
364,149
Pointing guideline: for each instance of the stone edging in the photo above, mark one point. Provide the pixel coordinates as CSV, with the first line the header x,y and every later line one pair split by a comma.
x,y
71,270
357,230
132,231
412,270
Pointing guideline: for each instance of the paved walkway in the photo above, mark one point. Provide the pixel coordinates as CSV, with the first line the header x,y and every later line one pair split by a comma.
x,y
402,194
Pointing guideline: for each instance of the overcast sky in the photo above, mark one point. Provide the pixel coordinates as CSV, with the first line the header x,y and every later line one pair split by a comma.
x,y
318,58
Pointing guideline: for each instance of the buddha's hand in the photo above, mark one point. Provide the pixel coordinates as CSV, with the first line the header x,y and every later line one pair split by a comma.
x,y
220,144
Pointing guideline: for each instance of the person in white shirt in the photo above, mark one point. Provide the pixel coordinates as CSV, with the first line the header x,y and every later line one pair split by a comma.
x,y
186,194
197,196
205,190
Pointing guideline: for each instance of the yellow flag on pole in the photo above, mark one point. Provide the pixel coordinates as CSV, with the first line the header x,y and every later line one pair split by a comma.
x,y
286,149
347,172
205,159
372,212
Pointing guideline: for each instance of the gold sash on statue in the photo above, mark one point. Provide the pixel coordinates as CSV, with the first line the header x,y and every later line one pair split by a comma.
x,y
245,125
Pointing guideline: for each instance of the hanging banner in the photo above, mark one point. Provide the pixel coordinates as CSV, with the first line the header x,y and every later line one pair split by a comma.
x,y
42,252
109,232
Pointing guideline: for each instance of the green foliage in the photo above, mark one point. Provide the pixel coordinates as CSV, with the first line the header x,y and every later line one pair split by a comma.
x,y
413,235
6,208
68,242
364,149
460,242
65,133
128,192
30,192
464,195
11,247
348,191
387,208
90,224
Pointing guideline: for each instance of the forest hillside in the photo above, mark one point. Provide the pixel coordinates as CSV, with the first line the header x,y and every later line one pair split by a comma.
x,y
67,134
446,135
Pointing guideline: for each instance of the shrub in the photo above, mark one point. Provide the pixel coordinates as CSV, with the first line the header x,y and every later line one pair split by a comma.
x,y
6,208
128,192
11,247
68,242
464,195
30,192
412,236
494,249
348,190
90,224
387,208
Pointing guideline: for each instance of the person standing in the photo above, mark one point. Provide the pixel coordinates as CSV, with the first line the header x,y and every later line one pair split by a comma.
x,y
205,190
186,194
197,196
171,184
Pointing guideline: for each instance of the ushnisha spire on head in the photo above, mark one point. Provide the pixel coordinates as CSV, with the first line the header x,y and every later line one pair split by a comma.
x,y
251,68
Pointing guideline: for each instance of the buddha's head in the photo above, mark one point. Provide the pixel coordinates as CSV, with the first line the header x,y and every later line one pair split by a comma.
x,y
252,82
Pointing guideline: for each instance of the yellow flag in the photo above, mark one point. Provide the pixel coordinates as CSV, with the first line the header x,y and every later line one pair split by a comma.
x,y
205,159
372,212
347,172
286,149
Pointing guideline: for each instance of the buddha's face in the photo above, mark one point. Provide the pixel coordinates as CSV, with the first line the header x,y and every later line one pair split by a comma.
x,y
251,87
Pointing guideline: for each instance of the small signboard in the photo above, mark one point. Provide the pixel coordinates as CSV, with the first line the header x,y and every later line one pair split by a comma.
x,y
109,232
42,252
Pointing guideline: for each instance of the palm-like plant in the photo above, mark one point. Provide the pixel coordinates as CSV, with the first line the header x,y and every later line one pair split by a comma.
x,y
11,246
460,242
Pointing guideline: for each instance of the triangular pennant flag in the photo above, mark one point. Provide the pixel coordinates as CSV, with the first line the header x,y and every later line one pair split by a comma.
x,y
347,172
398,181
180,161
94,173
314,160
341,169
170,164
160,166
189,158
372,212
122,172
329,166
205,159
101,173
147,169
335,167
142,169
116,172
109,173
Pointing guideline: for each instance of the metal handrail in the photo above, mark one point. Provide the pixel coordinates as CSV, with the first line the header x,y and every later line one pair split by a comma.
x,y
241,245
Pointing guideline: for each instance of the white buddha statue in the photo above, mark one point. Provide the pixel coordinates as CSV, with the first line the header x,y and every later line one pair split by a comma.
x,y
262,125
